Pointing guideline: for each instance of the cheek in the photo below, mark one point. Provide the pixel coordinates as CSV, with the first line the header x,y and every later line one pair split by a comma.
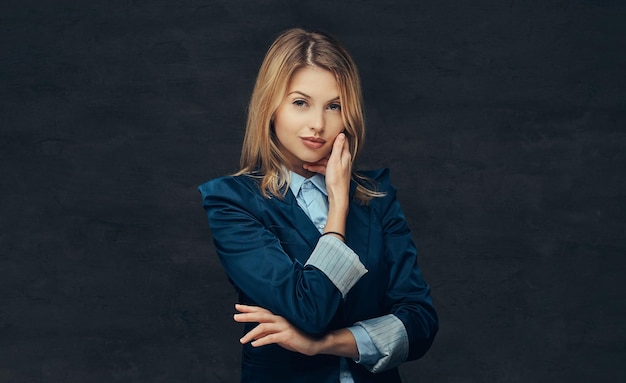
x,y
285,122
280,127
335,124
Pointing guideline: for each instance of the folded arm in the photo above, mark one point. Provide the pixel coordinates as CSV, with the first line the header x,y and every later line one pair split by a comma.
x,y
307,295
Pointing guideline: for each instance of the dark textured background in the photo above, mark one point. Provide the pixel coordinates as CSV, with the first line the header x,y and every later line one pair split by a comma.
x,y
503,123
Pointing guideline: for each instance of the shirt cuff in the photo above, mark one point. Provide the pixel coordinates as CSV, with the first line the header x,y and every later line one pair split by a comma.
x,y
390,338
368,353
340,264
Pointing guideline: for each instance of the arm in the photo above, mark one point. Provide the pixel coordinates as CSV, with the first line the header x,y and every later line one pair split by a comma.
x,y
307,295
274,329
254,259
337,169
352,342
408,329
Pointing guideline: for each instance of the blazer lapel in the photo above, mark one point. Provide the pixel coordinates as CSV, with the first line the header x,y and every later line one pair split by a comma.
x,y
357,224
291,211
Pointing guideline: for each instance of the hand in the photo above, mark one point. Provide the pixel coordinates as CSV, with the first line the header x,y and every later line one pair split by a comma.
x,y
273,329
337,167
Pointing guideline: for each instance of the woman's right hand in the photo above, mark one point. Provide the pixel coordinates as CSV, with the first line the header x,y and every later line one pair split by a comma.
x,y
274,329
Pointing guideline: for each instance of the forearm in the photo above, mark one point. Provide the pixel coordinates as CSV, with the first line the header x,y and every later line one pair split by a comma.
x,y
338,342
266,271
274,329
336,220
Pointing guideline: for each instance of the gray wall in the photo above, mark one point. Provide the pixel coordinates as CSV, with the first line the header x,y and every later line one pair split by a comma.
x,y
503,123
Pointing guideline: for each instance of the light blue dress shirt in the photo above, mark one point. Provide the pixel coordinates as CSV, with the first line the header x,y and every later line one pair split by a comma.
x,y
312,197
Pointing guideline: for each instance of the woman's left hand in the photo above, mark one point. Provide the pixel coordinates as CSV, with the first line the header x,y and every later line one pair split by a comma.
x,y
274,329
337,169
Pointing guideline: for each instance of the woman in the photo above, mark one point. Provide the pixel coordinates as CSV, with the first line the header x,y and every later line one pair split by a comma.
x,y
321,256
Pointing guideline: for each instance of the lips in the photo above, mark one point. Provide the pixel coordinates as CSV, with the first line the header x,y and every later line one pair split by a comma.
x,y
313,142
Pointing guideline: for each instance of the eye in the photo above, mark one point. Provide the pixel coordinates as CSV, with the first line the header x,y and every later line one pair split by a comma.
x,y
299,103
334,106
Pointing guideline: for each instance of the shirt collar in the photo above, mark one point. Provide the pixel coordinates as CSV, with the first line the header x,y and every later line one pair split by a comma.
x,y
296,181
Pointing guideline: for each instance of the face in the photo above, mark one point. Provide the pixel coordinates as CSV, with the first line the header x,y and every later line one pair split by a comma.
x,y
308,119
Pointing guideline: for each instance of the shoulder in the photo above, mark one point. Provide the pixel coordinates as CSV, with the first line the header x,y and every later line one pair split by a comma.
x,y
378,180
381,177
239,186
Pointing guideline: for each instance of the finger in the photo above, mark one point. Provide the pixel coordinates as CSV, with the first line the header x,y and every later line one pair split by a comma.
x,y
320,162
262,331
268,339
252,309
338,145
346,156
254,317
248,308
256,333
316,169
317,166
250,336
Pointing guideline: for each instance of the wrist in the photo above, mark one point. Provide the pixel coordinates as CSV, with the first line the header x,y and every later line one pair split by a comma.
x,y
335,234
338,342
338,199
324,344
338,208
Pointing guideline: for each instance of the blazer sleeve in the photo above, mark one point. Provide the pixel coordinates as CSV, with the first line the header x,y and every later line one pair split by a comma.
x,y
253,258
408,329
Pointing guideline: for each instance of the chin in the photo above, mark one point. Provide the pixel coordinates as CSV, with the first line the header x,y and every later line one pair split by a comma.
x,y
311,160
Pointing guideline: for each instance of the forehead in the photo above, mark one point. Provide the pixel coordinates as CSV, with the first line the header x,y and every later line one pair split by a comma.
x,y
314,81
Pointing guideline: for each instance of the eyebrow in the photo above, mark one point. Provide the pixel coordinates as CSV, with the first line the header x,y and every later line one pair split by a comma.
x,y
309,97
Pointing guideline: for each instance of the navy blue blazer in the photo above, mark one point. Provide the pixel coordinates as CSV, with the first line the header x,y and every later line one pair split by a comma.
x,y
264,244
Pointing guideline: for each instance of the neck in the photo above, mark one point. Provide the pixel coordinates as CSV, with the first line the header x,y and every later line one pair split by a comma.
x,y
303,172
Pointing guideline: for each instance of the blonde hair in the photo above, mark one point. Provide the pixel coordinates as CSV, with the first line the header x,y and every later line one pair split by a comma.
x,y
292,50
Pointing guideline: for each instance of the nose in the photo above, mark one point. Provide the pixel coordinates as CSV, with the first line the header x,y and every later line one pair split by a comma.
x,y
317,121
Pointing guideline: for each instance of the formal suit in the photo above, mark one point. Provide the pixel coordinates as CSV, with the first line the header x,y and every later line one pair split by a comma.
x,y
275,258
